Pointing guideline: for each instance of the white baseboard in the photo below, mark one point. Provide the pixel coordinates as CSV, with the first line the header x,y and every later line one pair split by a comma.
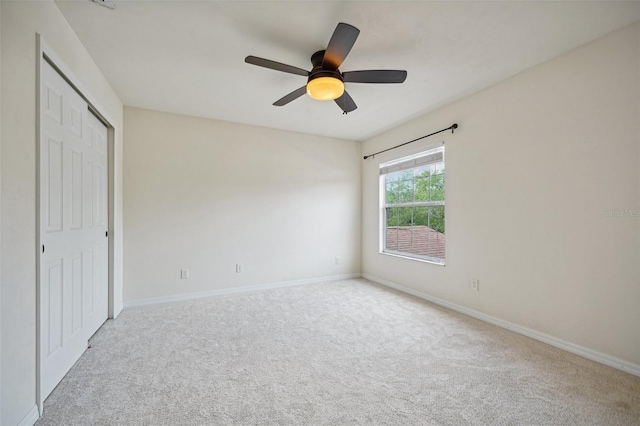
x,y
591,354
32,416
244,289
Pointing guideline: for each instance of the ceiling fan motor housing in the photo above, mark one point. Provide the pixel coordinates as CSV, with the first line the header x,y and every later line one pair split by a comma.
x,y
318,71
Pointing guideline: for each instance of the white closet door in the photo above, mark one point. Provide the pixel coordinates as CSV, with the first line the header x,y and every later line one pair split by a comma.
x,y
95,225
73,206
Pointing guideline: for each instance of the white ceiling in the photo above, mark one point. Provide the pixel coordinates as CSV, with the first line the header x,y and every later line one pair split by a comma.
x,y
187,57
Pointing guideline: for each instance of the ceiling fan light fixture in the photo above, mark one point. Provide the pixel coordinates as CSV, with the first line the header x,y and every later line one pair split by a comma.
x,y
325,81
325,88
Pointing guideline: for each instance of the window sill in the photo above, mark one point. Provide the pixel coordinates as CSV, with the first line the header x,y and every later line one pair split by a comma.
x,y
417,259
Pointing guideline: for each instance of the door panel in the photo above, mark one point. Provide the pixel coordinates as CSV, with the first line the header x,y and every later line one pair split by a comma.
x,y
53,309
76,293
53,171
100,141
77,120
53,103
88,281
98,200
96,194
88,193
76,189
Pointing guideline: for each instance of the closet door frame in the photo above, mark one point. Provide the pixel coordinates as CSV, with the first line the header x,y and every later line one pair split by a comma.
x,y
46,54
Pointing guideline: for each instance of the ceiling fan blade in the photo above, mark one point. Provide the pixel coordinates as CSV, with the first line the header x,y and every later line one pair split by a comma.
x,y
345,102
291,96
375,76
340,45
266,63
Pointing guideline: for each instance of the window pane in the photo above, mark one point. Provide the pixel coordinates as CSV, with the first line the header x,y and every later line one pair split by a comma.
x,y
405,190
420,216
405,215
392,229
437,185
420,232
392,216
405,238
435,233
436,218
405,174
391,192
421,183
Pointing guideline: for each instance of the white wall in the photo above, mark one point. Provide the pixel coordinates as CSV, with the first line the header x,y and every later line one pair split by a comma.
x,y
0,208
204,195
536,162
20,23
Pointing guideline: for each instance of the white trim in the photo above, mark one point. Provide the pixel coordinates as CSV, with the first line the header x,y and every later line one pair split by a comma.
x,y
46,49
591,354
423,259
244,289
31,417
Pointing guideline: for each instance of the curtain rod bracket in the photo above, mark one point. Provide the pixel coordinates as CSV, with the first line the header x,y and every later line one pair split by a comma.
x,y
452,128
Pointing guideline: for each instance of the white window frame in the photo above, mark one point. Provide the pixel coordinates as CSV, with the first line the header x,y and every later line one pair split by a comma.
x,y
409,162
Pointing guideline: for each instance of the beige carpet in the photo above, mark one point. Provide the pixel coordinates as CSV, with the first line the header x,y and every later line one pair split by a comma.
x,y
338,353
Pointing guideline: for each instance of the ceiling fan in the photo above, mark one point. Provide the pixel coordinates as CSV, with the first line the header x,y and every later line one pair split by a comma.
x,y
325,81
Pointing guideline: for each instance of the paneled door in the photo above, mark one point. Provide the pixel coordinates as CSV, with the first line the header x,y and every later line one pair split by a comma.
x,y
73,225
96,210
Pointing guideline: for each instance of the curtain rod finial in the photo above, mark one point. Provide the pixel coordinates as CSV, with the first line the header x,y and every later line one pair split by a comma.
x,y
454,126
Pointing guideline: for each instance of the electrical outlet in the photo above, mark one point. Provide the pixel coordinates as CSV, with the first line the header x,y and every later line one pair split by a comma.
x,y
184,274
337,260
475,284
238,267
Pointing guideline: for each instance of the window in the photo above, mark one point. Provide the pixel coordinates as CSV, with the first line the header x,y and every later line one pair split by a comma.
x,y
412,198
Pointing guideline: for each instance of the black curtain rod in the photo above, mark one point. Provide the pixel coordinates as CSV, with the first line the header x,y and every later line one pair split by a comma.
x,y
452,128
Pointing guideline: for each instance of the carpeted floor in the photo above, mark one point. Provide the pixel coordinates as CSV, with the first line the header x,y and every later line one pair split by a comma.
x,y
341,353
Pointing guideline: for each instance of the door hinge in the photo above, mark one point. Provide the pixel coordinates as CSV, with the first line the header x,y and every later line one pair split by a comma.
x,y
43,248
106,234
